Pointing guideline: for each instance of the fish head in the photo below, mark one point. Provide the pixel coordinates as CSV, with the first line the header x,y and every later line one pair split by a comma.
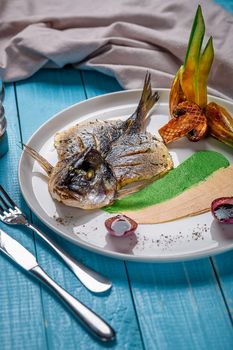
x,y
85,180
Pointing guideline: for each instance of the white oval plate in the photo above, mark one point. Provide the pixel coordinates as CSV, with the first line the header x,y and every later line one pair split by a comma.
x,y
183,239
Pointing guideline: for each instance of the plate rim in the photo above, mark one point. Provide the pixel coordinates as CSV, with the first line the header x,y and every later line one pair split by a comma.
x,y
89,246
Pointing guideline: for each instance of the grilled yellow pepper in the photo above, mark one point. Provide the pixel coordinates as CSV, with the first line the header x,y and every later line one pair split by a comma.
x,y
188,95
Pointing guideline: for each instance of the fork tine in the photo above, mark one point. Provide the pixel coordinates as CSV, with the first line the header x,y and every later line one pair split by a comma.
x,y
4,203
1,210
12,203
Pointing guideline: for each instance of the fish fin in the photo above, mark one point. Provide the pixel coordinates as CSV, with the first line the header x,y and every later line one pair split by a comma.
x,y
41,160
132,188
136,122
136,186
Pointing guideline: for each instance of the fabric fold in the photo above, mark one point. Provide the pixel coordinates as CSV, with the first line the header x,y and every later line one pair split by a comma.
x,y
120,38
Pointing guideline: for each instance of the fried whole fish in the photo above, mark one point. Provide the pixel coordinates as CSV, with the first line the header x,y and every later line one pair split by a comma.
x,y
101,161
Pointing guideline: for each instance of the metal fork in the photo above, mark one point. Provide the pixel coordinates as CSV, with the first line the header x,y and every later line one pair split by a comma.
x,y
10,214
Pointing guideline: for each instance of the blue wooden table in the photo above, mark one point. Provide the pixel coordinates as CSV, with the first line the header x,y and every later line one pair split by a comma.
x,y
152,306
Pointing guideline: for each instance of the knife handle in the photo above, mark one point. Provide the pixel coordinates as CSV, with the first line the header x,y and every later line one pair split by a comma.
x,y
94,323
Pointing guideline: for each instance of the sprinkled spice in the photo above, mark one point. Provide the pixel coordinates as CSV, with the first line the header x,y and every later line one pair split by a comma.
x,y
63,220
166,242
59,220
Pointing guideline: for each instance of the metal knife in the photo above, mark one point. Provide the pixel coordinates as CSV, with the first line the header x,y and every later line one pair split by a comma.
x,y
94,323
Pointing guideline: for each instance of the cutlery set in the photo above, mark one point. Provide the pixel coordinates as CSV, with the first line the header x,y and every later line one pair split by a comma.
x,y
10,214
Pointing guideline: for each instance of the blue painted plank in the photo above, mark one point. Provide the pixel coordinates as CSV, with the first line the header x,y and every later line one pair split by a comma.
x,y
180,306
224,270
226,4
96,84
21,314
38,99
45,94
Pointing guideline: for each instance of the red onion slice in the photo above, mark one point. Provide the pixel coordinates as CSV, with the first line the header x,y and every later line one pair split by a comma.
x,y
120,226
222,209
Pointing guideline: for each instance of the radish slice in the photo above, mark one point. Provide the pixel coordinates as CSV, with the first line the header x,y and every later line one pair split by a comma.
x,y
222,209
120,226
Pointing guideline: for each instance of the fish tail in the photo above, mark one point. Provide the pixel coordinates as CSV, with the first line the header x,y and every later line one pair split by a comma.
x,y
41,160
147,101
148,98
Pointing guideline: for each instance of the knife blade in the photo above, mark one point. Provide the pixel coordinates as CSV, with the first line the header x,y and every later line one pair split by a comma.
x,y
17,252
94,323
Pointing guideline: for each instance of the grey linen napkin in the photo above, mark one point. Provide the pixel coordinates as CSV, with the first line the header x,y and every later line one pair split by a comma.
x,y
122,38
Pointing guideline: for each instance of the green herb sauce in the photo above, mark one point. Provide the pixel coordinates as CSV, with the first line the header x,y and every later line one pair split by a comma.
x,y
193,170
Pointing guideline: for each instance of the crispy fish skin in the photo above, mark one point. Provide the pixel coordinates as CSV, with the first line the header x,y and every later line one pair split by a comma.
x,y
100,161
137,160
95,133
100,134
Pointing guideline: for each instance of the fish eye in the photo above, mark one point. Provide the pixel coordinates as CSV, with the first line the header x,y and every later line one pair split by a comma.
x,y
90,174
